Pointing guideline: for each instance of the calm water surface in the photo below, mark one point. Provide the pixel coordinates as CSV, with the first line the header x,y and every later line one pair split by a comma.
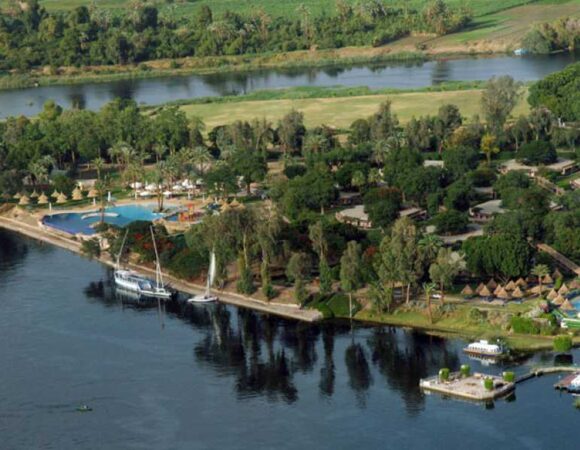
x,y
394,75
213,377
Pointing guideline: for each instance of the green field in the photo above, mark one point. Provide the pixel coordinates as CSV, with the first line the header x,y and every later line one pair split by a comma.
x,y
277,7
342,111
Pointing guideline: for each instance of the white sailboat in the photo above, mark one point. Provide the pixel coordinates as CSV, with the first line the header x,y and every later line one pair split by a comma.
x,y
132,281
207,297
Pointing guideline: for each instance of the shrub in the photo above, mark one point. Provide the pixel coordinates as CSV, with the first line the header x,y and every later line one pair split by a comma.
x,y
444,374
465,370
537,152
294,170
562,343
91,248
524,325
509,377
488,384
451,222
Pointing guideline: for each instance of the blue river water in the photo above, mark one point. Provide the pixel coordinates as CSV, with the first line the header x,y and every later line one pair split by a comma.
x,y
211,377
400,75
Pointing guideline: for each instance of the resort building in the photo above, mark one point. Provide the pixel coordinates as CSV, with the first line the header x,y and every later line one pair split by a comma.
x,y
562,166
484,212
357,216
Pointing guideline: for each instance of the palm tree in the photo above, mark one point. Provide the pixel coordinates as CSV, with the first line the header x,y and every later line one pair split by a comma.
x,y
201,157
428,288
358,180
429,246
540,271
99,164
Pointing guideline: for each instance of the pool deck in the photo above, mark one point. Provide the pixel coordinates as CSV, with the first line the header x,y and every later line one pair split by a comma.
x,y
30,227
469,388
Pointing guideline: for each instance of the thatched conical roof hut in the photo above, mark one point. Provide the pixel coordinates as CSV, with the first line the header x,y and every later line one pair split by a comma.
x,y
559,300
479,288
42,199
517,293
467,290
567,306
485,292
61,198
34,194
492,284
552,294
55,194
497,290
24,200
93,193
503,294
538,289
17,196
510,286
521,282
575,284
557,274
77,194
547,279
563,289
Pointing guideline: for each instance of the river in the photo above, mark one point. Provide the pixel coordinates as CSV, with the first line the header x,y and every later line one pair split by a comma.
x,y
402,75
208,377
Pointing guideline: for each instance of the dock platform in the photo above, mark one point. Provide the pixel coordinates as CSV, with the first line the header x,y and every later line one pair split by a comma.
x,y
470,387
565,383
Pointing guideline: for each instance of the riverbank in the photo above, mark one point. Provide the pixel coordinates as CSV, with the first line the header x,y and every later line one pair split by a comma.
x,y
288,311
445,324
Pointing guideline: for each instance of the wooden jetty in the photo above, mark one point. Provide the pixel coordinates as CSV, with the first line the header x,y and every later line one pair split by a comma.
x,y
470,387
564,383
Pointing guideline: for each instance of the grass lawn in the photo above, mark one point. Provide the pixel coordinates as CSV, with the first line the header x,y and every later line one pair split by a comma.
x,y
341,112
276,7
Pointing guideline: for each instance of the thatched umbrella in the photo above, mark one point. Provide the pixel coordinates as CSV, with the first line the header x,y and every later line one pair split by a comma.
x,y
559,300
491,284
517,293
479,288
61,198
17,196
467,290
55,194
567,306
93,193
510,286
552,294
77,194
575,284
24,200
485,292
42,199
521,282
538,289
503,294
497,290
34,194
557,274
563,289
547,279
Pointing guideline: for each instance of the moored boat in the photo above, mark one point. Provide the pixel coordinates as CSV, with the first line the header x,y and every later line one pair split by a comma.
x,y
483,348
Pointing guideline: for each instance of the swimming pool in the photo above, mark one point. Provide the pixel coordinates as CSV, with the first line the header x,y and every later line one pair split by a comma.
x,y
82,222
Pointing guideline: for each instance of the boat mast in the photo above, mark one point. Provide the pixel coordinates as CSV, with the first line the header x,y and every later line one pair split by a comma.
x,y
158,276
118,263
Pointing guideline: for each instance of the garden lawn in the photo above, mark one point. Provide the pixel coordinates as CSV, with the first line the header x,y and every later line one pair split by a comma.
x,y
341,112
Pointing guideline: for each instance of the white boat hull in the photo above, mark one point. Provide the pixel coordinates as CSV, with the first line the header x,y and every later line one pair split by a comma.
x,y
202,298
131,281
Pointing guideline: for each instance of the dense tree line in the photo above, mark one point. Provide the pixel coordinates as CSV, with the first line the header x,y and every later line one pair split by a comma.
x,y
562,34
31,37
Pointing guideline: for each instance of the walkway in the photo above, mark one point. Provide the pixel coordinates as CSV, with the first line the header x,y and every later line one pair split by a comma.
x,y
561,259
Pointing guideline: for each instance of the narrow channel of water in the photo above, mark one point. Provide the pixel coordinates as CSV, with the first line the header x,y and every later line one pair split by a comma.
x,y
205,377
401,75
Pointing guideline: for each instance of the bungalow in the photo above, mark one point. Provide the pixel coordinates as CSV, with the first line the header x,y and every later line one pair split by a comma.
x,y
562,166
484,212
357,216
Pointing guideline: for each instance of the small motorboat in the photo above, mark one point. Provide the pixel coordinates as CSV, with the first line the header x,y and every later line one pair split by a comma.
x,y
203,298
84,408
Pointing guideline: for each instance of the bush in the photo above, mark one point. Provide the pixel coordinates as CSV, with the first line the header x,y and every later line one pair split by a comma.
x,y
465,370
294,170
444,374
451,222
562,343
488,384
537,152
91,248
524,325
509,377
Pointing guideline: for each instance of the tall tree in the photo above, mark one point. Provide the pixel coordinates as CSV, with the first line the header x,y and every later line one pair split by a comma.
x,y
445,268
499,98
351,276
